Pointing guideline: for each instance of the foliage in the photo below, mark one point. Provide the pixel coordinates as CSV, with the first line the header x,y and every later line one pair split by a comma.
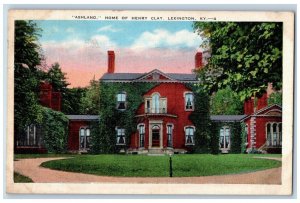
x,y
244,133
18,178
201,120
54,128
245,56
57,78
104,138
235,135
27,49
225,102
27,58
275,98
91,100
190,165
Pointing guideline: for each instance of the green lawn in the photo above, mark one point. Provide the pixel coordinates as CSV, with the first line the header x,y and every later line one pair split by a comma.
x,y
18,178
158,166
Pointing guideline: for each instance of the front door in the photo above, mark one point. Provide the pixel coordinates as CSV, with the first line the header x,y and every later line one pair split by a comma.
x,y
155,136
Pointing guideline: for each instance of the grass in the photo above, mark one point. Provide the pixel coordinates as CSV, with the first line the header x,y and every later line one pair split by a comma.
x,y
18,178
158,166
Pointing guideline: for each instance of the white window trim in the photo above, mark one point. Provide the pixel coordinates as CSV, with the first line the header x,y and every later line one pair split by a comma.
x,y
116,129
125,102
189,126
272,137
229,141
138,128
193,104
172,133
85,128
160,104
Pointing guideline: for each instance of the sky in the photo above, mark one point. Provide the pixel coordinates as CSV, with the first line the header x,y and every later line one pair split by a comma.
x,y
80,47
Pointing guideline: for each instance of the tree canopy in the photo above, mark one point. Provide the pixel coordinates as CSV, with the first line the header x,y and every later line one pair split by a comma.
x,y
245,56
28,57
225,102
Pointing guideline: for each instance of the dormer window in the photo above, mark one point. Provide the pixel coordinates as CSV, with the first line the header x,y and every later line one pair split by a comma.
x,y
189,101
121,101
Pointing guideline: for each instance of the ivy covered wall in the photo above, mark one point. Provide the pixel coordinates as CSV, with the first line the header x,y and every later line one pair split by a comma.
x,y
204,139
55,130
236,136
104,135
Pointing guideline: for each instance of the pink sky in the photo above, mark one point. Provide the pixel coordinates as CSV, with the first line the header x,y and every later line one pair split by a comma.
x,y
82,62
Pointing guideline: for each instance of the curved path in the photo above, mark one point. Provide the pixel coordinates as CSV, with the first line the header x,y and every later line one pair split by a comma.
x,y
32,169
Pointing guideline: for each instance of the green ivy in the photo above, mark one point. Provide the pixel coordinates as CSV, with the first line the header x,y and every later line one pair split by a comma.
x,y
104,134
204,139
54,125
275,98
236,136
244,137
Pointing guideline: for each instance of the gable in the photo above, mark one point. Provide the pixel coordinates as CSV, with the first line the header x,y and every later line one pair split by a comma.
x,y
274,110
155,75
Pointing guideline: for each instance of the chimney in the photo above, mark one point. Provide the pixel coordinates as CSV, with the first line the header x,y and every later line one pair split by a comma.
x,y
198,61
111,62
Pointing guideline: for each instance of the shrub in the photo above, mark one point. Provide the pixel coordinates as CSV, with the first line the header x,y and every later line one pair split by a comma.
x,y
54,127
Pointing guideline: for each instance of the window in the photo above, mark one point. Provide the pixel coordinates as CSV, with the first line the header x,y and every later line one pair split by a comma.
x,y
120,136
155,104
31,135
189,135
224,138
121,101
274,134
170,135
141,129
84,133
189,101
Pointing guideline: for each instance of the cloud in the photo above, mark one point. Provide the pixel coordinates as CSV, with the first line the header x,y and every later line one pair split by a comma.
x,y
108,28
82,59
160,38
103,42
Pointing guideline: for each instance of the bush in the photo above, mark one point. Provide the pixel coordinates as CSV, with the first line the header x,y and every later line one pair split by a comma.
x,y
54,127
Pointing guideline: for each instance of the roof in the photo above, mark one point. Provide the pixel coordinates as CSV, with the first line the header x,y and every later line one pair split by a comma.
x,y
83,117
141,77
265,110
227,117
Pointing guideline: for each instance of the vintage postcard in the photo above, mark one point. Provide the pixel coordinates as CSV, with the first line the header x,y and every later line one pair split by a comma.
x,y
150,102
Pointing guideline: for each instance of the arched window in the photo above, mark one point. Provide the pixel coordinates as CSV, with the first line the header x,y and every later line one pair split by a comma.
x,y
84,135
224,138
274,134
155,103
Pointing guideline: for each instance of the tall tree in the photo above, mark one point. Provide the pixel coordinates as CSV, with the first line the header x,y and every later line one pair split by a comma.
x,y
27,58
57,78
225,102
27,48
245,56
91,100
